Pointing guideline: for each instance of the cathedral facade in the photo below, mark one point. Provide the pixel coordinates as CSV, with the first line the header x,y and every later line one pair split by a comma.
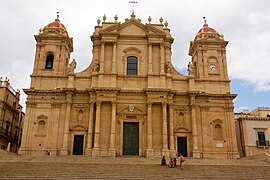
x,y
130,100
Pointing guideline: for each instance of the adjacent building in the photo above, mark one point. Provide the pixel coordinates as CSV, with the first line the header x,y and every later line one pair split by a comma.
x,y
253,131
130,100
11,117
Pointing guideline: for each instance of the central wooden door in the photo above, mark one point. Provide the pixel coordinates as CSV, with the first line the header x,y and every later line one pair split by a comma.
x,y
131,138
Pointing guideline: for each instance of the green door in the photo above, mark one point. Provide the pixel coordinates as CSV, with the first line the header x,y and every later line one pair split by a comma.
x,y
131,138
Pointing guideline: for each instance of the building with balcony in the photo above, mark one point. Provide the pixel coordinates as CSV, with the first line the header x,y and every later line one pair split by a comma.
x,y
11,117
253,131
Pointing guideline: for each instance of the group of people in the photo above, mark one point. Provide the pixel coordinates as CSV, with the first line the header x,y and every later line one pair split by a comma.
x,y
172,162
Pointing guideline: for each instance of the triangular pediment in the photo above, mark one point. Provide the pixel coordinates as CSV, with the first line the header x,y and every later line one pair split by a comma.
x,y
134,27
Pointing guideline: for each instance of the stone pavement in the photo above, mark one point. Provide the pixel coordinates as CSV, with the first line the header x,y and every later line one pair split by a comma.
x,y
81,167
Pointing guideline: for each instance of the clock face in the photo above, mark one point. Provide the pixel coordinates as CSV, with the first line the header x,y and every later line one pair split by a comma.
x,y
212,67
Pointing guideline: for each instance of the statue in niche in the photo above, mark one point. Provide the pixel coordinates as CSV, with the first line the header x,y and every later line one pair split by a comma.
x,y
181,120
96,66
191,69
72,66
80,117
168,68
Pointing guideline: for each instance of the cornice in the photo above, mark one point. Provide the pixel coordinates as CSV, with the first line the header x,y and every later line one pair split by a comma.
x,y
149,90
253,119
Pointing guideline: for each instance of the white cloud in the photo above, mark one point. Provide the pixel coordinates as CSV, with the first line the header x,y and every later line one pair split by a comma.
x,y
245,23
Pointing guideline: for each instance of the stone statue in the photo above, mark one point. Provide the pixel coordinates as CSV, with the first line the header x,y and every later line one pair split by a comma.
x,y
96,66
72,66
168,68
191,69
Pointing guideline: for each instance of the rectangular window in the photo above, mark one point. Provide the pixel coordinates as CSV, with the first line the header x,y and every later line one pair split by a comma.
x,y
132,65
261,139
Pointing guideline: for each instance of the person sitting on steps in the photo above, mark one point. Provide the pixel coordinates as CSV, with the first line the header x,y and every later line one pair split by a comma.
x,y
163,161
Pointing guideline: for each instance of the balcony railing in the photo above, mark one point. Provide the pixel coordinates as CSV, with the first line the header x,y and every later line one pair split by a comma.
x,y
262,143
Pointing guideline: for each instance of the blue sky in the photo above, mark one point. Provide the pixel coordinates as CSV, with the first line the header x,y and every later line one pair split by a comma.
x,y
248,97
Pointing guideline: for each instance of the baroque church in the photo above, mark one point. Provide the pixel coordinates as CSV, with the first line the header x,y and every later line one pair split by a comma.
x,y
130,100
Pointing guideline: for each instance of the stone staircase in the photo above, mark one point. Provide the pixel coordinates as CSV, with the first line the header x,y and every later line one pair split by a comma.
x,y
81,167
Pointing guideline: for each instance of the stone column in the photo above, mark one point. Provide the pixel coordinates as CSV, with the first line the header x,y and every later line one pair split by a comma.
x,y
90,129
114,58
149,151
112,151
150,61
64,150
162,60
171,135
95,151
164,130
101,70
196,153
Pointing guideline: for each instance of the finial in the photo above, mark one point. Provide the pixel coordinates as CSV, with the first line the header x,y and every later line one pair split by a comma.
x,y
149,19
40,30
115,18
222,36
160,20
205,21
166,24
0,78
132,15
98,21
104,18
57,17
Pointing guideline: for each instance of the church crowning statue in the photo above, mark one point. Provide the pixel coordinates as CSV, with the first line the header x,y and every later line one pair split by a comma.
x,y
130,100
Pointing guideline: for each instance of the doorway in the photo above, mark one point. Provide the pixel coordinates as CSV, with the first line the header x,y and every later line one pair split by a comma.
x,y
182,146
131,138
78,145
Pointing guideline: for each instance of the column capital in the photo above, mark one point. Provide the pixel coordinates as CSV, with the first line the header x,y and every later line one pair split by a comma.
x,y
113,103
98,103
164,104
102,43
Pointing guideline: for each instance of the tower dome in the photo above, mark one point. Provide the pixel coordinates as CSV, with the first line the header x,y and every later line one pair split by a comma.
x,y
206,32
55,27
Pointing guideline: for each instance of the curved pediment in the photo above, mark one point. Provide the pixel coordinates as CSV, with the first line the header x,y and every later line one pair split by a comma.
x,y
132,49
130,110
79,127
42,116
181,129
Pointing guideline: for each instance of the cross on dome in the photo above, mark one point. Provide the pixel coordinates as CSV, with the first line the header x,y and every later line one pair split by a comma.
x,y
132,3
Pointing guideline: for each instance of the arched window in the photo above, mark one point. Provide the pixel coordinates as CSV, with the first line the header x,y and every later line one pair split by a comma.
x,y
49,61
217,131
132,65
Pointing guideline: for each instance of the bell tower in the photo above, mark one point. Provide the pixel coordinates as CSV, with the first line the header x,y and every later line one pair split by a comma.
x,y
53,50
208,51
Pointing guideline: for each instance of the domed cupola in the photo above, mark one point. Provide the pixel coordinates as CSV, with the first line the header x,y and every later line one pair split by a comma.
x,y
207,32
55,27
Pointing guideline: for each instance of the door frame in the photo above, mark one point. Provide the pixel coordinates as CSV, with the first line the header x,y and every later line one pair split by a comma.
x,y
138,125
139,119
186,135
78,130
